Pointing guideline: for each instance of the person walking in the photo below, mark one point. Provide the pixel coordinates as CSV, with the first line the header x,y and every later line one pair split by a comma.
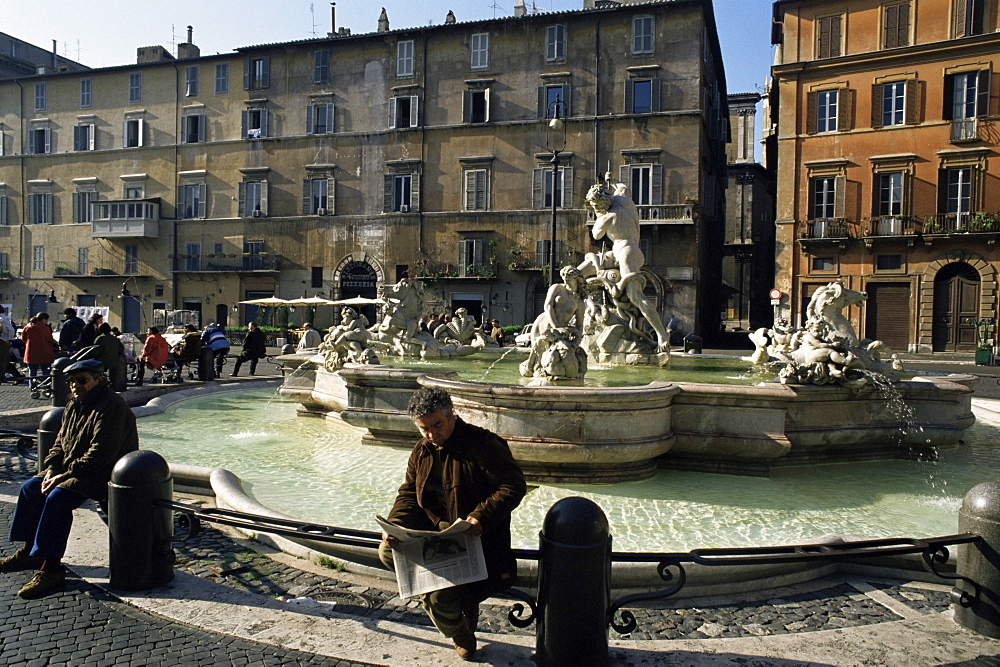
x,y
254,349
70,331
89,332
7,334
39,348
112,354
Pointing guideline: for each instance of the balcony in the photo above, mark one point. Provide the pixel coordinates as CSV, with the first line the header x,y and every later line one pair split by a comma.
x,y
223,263
659,214
961,223
964,130
826,228
125,219
892,225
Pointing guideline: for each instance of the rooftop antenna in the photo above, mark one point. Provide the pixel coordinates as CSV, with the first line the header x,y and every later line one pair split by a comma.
x,y
173,40
312,13
496,6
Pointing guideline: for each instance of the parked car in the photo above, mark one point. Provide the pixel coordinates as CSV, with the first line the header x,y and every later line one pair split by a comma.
x,y
523,339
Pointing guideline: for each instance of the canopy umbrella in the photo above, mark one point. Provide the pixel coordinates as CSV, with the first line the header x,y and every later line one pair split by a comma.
x,y
267,301
358,301
311,301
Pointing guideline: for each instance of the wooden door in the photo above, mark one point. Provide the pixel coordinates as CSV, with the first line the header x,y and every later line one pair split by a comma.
x,y
887,314
956,301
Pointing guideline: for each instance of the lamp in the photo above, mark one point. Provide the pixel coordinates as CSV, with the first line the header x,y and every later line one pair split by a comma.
x,y
52,296
555,141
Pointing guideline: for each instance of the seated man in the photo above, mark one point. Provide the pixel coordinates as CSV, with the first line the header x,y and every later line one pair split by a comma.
x,y
188,350
215,337
98,428
154,353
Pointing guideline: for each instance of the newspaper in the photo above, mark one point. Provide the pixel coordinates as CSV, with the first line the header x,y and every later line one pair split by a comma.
x,y
429,560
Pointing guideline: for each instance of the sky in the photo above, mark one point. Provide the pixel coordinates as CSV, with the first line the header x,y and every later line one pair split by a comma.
x,y
104,33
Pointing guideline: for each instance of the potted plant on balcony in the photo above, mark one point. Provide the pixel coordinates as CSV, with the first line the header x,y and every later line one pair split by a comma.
x,y
984,222
62,271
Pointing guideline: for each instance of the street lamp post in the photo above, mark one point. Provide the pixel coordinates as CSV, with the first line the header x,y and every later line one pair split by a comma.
x,y
555,141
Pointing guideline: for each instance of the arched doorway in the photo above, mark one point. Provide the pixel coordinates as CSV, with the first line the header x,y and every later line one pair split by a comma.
x,y
358,278
956,300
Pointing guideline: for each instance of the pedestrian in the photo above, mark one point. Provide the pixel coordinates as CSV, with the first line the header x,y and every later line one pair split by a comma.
x,y
455,471
98,428
154,353
89,332
112,351
498,335
7,333
69,333
254,349
215,338
310,338
39,348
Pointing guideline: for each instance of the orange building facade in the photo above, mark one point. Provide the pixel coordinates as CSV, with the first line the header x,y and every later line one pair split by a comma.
x,y
886,120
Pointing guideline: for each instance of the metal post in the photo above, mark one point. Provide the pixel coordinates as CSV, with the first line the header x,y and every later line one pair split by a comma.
x,y
60,387
139,532
980,561
206,364
553,271
48,429
574,585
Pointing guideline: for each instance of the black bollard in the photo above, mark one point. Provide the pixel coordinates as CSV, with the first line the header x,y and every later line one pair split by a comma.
x,y
574,585
980,562
206,364
140,553
118,376
60,387
288,348
48,429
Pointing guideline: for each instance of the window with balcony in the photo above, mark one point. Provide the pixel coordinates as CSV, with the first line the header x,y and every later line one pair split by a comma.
x,y
318,195
222,78
257,73
86,93
135,87
403,111
254,123
476,106
192,257
829,36
896,25
193,128
83,261
319,118
966,98
475,188
191,81
542,255
555,43
321,66
645,181
642,35
479,48
470,257
642,95
543,191
553,99
132,133
83,137
958,189
40,208
404,58
826,198
253,195
890,193
40,96
191,201
970,17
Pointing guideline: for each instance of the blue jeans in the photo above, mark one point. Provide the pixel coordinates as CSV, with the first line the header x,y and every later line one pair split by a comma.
x,y
34,370
43,522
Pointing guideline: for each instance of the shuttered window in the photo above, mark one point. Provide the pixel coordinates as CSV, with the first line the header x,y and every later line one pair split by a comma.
x,y
475,190
896,25
828,36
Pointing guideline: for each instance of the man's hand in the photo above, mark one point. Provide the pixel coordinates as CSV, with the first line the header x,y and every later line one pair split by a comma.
x,y
52,480
390,540
476,529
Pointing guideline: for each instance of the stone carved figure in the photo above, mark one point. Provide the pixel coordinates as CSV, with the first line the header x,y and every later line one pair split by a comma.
x,y
397,331
462,330
827,349
347,343
556,334
619,274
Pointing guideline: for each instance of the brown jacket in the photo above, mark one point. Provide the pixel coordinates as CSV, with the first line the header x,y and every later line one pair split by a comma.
x,y
472,474
95,433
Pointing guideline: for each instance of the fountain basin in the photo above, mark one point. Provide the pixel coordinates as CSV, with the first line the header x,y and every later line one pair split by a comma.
x,y
609,434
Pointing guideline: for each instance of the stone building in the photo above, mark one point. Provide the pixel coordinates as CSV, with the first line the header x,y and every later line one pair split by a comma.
x,y
887,163
334,165
19,58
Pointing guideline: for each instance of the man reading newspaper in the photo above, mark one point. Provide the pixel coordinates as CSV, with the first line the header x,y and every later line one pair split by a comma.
x,y
458,471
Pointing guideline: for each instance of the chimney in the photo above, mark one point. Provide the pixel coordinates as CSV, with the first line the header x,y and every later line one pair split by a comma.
x,y
520,9
55,57
450,19
191,34
188,49
333,18
383,21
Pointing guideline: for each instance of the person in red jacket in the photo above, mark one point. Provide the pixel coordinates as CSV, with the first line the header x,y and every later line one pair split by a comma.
x,y
154,353
39,347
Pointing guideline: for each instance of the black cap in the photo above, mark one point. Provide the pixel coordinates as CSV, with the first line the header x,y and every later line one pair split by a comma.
x,y
92,365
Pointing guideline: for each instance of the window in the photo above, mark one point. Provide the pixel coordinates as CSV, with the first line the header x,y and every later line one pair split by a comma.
x,y
969,15
888,262
642,35
222,78
316,281
475,189
542,255
191,201
86,93
470,257
40,208
404,58
317,195
828,36
133,191
896,25
476,108
257,73
543,190
958,191
826,110
401,191
135,87
191,81
192,257
193,128
131,259
645,181
967,95
827,197
40,96
555,43
39,140
890,193
480,50
254,123
642,95
253,198
319,118
893,103
3,210
552,99
38,258
132,133
321,66
403,111
83,261
820,264
81,205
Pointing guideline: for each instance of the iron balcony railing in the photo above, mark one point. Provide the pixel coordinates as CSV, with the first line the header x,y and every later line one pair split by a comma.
x,y
962,223
223,263
892,225
963,130
826,228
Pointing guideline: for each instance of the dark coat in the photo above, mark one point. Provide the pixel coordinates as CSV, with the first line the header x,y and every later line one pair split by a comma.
x,y
254,345
112,350
70,332
472,474
95,433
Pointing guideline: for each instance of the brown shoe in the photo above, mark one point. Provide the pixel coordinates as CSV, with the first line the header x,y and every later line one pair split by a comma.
x,y
43,583
465,642
20,560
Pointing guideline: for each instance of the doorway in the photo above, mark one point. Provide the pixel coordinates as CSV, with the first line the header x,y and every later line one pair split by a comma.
x,y
956,301
887,314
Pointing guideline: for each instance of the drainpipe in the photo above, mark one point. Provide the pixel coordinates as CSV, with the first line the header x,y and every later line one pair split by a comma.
x,y
177,135
597,96
24,184
423,149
